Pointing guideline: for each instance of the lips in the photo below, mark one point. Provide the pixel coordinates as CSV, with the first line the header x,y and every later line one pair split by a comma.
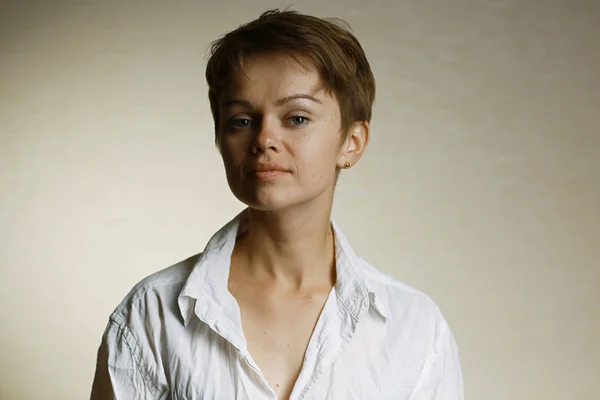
x,y
267,171
268,167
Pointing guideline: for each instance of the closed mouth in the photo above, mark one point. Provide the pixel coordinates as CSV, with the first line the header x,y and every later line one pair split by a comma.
x,y
268,167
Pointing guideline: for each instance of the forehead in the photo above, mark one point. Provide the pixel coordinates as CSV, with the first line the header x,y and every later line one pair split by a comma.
x,y
275,75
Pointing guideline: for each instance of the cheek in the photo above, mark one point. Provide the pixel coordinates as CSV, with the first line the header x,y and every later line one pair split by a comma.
x,y
317,159
230,162
232,151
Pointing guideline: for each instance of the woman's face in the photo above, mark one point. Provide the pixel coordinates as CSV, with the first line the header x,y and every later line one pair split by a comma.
x,y
280,135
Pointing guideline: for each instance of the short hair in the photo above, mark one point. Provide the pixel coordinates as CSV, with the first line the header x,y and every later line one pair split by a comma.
x,y
326,44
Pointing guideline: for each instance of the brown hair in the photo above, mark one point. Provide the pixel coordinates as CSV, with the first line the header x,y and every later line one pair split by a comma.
x,y
325,43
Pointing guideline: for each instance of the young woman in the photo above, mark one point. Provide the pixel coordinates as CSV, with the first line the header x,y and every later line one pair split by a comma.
x,y
278,306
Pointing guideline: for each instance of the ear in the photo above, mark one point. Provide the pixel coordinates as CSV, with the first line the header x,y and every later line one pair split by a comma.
x,y
354,145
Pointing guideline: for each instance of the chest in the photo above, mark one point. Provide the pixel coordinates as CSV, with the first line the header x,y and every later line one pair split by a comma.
x,y
278,328
369,366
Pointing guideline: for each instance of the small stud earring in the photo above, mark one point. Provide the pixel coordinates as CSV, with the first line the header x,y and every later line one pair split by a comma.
x,y
347,165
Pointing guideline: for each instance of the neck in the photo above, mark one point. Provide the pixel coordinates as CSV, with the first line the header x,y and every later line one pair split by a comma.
x,y
292,248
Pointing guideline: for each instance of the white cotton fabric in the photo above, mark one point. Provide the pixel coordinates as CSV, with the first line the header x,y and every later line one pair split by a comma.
x,y
178,335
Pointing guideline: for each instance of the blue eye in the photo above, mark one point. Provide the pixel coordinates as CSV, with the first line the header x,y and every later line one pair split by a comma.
x,y
299,120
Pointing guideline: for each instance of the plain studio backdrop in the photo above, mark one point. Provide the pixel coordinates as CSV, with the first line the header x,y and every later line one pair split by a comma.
x,y
481,184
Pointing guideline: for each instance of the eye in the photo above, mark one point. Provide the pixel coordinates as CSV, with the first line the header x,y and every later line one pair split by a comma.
x,y
299,120
240,122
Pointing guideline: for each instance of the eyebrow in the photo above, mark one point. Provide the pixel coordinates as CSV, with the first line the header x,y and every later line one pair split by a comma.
x,y
278,103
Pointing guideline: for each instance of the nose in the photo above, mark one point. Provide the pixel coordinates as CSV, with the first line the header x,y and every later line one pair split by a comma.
x,y
266,138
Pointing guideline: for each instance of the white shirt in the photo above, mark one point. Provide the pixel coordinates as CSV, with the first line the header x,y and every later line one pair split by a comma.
x,y
178,335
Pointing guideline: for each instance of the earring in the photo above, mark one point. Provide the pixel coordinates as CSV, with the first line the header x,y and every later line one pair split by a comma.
x,y
347,165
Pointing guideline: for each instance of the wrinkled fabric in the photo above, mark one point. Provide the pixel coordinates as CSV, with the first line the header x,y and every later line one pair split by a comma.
x,y
178,335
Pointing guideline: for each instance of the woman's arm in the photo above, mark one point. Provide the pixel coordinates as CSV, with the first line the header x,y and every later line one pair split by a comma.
x,y
441,378
120,369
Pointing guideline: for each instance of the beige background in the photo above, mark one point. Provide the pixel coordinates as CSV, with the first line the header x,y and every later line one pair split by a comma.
x,y
481,185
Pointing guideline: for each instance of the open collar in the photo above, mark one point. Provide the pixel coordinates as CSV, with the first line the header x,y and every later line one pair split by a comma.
x,y
205,292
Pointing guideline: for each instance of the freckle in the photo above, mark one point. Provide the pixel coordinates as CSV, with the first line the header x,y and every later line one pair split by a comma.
x,y
311,297
265,332
277,385
288,345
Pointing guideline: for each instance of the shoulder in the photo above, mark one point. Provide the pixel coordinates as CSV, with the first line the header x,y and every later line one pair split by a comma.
x,y
411,315
400,300
156,293
133,340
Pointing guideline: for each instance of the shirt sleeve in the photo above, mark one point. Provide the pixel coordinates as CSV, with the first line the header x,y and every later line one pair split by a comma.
x,y
441,378
120,372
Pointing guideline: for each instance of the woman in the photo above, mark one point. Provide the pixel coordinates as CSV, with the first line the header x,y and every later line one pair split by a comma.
x,y
278,306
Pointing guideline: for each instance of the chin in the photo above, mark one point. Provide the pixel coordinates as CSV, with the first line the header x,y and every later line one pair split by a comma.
x,y
268,200
265,204
280,197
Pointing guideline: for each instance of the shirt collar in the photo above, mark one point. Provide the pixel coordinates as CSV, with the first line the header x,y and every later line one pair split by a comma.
x,y
205,292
